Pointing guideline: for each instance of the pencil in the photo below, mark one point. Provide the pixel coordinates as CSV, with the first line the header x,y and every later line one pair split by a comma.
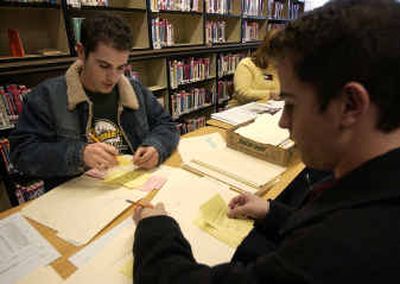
x,y
94,138
139,203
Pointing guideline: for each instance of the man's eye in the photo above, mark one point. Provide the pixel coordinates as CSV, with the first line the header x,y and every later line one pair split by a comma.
x,y
104,66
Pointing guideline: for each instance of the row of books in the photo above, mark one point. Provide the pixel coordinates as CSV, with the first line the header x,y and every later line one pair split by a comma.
x,y
5,155
189,70
191,124
183,102
175,5
253,7
162,32
225,90
11,102
295,10
80,3
29,191
251,31
276,9
219,6
24,189
227,63
215,32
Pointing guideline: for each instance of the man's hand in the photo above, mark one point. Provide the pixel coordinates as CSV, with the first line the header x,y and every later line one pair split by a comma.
x,y
248,205
146,212
146,157
100,156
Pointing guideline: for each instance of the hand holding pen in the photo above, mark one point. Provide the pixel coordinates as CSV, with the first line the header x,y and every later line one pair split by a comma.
x,y
99,155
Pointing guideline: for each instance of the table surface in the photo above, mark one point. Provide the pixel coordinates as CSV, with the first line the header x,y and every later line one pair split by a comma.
x,y
65,268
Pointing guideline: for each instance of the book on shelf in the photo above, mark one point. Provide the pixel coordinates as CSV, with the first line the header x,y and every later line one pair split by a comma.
x,y
15,43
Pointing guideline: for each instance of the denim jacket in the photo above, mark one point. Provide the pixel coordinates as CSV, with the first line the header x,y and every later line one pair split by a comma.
x,y
53,128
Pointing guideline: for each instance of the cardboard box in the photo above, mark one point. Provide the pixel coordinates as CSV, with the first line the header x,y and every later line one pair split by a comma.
x,y
267,152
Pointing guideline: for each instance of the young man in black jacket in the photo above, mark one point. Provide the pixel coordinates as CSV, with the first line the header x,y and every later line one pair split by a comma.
x,y
339,68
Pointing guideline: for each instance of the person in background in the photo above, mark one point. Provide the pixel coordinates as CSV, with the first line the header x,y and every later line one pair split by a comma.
x,y
338,67
255,78
84,119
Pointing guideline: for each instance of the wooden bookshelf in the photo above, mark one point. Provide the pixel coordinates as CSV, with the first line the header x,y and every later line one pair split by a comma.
x,y
42,31
152,73
188,28
137,4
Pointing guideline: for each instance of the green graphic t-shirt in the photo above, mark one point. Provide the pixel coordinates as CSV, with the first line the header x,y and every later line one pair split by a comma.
x,y
105,120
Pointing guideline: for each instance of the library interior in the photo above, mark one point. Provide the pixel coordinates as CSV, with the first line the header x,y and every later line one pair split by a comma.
x,y
189,160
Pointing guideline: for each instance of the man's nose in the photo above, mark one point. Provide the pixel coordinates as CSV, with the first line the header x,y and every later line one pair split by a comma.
x,y
284,121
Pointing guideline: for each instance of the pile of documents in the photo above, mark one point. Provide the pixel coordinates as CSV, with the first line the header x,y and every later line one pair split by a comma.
x,y
265,129
233,168
247,112
22,249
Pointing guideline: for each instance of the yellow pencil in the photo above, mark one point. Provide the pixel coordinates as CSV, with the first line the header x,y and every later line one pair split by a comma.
x,y
139,203
94,138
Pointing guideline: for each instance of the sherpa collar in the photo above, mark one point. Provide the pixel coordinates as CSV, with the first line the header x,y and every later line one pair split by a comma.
x,y
76,94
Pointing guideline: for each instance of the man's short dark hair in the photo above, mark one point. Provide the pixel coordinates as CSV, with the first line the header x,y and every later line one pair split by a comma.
x,y
109,29
344,41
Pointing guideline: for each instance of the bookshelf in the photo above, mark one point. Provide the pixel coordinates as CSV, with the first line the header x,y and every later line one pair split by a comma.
x,y
199,29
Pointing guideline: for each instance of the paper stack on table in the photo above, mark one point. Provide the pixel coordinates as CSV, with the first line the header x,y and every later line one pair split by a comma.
x,y
265,129
247,112
22,249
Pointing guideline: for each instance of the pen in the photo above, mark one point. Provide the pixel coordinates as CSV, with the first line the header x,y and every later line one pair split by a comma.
x,y
139,203
94,138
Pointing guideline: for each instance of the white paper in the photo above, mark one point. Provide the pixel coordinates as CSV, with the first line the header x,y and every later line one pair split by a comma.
x,y
80,208
247,112
265,129
237,165
45,274
22,249
189,147
87,253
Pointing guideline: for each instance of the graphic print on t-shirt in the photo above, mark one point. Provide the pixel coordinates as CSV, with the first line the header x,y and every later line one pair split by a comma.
x,y
108,132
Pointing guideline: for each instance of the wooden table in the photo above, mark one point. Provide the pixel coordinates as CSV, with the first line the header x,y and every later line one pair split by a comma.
x,y
65,268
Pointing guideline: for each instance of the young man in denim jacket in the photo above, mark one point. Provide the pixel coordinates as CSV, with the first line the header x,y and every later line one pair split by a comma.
x,y
86,118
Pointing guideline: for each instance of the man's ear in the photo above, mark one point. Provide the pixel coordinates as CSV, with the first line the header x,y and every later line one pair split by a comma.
x,y
81,51
355,103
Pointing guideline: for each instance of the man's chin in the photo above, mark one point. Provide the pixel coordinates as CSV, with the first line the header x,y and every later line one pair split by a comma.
x,y
106,90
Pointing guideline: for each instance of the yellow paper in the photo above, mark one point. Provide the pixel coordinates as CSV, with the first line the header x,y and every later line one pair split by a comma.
x,y
139,181
127,269
214,220
124,160
122,178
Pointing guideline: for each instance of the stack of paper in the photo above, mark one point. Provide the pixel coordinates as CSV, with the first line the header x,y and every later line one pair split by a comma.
x,y
213,219
265,129
247,112
241,171
190,148
22,249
